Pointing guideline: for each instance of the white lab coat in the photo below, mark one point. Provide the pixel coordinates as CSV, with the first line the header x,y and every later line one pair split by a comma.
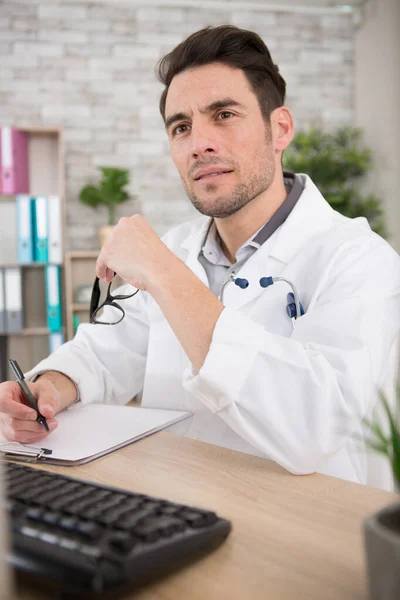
x,y
296,396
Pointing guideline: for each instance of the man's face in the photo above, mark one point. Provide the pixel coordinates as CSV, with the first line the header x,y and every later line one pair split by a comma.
x,y
220,143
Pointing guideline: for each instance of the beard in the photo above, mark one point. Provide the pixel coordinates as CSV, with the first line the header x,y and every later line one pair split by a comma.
x,y
257,182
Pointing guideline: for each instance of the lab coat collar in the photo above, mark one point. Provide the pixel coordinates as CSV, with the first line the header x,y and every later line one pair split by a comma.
x,y
310,216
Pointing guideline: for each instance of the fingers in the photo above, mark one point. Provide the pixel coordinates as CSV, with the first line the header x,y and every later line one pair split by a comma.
x,y
23,431
26,436
102,270
101,267
31,426
16,409
18,421
12,402
48,398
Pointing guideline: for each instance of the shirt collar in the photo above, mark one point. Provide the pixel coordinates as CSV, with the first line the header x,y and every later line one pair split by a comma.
x,y
212,249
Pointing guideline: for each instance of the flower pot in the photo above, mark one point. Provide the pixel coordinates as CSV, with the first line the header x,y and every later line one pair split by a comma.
x,y
104,233
382,539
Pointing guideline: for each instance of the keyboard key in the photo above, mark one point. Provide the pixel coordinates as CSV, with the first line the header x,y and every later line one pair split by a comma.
x,y
30,531
68,523
34,513
198,519
68,543
50,538
88,529
152,529
129,520
108,517
51,518
132,503
122,542
170,508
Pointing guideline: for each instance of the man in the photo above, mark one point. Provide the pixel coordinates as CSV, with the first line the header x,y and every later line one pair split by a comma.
x,y
254,383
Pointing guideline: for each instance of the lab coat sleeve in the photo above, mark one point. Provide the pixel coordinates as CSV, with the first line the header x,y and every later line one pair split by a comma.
x,y
298,399
106,362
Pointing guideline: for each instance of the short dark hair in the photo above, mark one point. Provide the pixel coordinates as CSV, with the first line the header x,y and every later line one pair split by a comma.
x,y
232,46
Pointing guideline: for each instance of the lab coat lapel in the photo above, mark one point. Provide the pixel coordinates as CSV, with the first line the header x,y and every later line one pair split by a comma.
x,y
193,244
310,216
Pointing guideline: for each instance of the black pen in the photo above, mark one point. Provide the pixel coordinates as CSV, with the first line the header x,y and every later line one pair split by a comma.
x,y
19,376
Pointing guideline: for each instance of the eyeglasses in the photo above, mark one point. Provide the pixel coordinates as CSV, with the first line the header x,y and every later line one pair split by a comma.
x,y
104,310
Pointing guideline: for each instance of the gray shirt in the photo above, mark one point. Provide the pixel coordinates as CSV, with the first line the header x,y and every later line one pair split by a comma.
x,y
217,266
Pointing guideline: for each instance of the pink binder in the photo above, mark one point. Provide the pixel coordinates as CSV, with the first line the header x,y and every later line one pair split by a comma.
x,y
14,175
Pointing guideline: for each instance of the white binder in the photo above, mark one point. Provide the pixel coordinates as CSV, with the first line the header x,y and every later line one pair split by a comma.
x,y
8,231
25,229
13,299
55,230
56,339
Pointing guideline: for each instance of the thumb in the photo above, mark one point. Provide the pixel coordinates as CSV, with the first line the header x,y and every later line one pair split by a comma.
x,y
48,398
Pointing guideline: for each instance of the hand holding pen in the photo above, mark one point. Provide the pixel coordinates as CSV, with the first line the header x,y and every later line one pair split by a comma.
x,y
29,397
26,406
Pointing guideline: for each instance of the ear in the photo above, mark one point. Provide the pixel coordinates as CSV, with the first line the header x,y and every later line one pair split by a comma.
x,y
283,128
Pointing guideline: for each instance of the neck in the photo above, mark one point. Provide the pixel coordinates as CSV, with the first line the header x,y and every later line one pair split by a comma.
x,y
239,227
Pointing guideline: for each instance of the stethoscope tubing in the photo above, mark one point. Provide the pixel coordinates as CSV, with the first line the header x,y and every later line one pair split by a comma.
x,y
264,282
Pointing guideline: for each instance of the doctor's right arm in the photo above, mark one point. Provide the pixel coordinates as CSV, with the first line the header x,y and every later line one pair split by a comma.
x,y
103,363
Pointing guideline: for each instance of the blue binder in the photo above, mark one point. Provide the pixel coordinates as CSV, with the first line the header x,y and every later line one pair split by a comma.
x,y
25,233
41,229
53,297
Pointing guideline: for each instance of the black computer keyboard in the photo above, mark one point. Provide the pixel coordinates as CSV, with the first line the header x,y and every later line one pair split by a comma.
x,y
89,538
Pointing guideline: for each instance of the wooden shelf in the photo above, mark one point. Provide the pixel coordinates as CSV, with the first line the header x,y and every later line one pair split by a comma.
x,y
30,331
79,307
83,253
11,265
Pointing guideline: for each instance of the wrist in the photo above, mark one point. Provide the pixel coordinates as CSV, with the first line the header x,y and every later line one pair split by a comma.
x,y
165,277
67,389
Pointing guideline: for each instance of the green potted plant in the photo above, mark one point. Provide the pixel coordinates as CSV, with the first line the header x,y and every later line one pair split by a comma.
x,y
336,162
382,529
109,193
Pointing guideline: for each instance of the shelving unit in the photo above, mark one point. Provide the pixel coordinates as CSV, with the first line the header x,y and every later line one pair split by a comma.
x,y
79,271
46,177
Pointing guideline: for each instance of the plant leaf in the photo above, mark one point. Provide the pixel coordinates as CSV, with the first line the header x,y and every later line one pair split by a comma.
x,y
91,196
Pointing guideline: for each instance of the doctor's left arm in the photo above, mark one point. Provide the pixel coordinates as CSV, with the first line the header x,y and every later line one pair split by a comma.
x,y
300,399
105,362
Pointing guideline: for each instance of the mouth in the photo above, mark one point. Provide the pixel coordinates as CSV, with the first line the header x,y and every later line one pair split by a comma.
x,y
211,174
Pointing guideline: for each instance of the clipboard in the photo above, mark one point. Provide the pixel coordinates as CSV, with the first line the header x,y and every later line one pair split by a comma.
x,y
88,431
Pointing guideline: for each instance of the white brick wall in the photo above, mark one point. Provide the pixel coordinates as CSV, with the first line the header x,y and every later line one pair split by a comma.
x,y
90,68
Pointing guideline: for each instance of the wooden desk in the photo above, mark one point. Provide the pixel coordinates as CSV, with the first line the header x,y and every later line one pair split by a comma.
x,y
293,537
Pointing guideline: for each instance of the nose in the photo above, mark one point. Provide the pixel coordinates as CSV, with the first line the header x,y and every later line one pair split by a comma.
x,y
203,140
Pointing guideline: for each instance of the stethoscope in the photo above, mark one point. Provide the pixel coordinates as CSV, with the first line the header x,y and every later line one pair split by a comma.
x,y
294,308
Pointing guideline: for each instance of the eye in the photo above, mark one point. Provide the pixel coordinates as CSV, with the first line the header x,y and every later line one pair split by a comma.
x,y
226,114
180,129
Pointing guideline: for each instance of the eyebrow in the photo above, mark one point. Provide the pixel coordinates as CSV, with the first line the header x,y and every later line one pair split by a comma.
x,y
218,104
